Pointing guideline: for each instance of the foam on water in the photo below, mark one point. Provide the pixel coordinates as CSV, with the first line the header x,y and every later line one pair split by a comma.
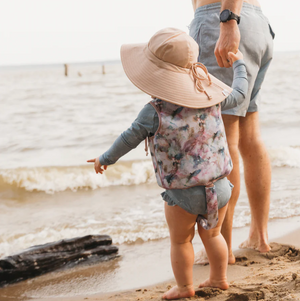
x,y
140,223
56,179
285,156
129,218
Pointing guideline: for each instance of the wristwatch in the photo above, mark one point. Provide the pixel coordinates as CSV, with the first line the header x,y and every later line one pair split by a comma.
x,y
227,15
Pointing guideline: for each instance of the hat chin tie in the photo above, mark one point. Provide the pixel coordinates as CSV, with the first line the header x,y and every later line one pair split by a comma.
x,y
198,78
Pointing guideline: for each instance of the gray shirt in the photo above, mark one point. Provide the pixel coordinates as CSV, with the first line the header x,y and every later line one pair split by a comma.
x,y
146,125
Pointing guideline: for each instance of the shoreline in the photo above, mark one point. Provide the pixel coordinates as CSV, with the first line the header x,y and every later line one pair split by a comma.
x,y
146,284
267,276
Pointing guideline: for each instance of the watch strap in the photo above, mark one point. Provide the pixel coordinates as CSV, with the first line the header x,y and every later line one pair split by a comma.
x,y
234,16
230,16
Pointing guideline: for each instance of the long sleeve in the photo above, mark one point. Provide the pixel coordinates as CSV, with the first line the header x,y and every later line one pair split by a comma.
x,y
145,125
239,86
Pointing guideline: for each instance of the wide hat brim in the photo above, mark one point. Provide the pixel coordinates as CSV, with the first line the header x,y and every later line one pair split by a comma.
x,y
174,84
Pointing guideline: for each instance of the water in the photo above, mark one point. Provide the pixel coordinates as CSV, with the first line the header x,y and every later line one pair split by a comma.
x,y
51,124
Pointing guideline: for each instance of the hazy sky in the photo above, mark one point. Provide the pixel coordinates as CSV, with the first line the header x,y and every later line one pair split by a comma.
x,y
62,31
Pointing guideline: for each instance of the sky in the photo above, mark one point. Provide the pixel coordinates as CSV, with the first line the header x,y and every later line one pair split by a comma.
x,y
68,31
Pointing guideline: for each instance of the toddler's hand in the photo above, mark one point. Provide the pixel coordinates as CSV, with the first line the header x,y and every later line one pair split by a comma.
x,y
235,56
97,165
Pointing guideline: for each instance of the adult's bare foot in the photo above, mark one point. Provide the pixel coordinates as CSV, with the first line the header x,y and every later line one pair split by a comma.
x,y
202,259
179,292
231,257
254,244
223,284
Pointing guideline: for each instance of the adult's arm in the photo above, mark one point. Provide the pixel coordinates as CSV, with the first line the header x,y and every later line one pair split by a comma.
x,y
146,124
229,39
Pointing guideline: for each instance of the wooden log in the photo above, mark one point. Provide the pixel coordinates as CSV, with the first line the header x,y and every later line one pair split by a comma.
x,y
42,259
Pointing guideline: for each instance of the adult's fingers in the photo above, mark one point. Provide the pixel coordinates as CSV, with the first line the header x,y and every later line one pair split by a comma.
x,y
218,56
91,160
224,58
223,61
226,62
219,59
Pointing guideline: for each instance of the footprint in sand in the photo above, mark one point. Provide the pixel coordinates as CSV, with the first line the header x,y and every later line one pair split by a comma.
x,y
274,275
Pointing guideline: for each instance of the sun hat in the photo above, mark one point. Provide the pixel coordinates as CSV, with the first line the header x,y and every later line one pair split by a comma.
x,y
166,68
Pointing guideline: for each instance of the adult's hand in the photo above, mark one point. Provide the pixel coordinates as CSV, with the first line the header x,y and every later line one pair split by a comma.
x,y
228,41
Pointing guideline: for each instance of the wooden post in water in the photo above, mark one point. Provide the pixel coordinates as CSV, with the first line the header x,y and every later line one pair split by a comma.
x,y
103,69
66,69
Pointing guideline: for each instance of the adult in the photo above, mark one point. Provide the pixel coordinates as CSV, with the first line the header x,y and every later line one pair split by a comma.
x,y
215,28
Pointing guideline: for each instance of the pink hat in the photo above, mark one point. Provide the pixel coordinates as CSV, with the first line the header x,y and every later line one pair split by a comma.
x,y
167,68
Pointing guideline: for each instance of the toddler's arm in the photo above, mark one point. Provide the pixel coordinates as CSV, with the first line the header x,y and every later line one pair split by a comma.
x,y
239,86
145,124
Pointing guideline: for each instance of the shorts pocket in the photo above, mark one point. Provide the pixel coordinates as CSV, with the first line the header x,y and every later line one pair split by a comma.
x,y
271,31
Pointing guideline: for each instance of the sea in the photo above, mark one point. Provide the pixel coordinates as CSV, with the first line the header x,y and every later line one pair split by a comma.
x,y
51,124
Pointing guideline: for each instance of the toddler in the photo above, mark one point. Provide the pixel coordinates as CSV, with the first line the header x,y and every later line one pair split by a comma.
x,y
184,129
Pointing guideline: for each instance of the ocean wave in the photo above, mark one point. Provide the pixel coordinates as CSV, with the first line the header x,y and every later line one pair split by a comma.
x,y
132,224
126,216
57,179
285,156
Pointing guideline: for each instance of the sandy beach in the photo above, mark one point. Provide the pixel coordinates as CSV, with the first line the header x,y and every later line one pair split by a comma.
x,y
255,276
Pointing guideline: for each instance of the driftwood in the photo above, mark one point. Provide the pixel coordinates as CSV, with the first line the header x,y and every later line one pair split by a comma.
x,y
42,259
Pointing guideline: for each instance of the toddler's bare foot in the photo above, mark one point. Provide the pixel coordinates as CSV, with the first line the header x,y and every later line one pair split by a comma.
x,y
201,258
223,285
179,292
252,243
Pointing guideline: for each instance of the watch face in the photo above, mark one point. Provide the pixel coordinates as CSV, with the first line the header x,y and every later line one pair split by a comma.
x,y
224,15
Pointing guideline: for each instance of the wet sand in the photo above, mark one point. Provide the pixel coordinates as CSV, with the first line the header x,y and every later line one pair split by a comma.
x,y
255,276
270,276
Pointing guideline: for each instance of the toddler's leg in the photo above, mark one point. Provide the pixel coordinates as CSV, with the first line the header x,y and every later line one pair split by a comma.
x,y
217,253
181,226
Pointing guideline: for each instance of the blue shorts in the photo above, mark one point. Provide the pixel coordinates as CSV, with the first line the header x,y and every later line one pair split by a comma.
x,y
256,45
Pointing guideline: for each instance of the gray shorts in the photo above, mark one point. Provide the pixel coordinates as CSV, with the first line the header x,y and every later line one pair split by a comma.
x,y
193,200
256,45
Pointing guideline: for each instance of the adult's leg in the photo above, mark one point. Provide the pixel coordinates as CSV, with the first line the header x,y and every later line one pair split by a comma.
x,y
231,123
257,170
182,229
216,249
